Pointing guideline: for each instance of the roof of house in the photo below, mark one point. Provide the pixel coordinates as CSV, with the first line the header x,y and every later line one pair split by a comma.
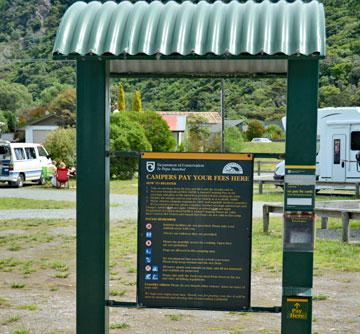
x,y
212,117
50,119
277,122
176,123
214,128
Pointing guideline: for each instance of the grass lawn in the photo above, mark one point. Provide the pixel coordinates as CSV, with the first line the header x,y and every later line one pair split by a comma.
x,y
24,203
128,187
37,266
249,147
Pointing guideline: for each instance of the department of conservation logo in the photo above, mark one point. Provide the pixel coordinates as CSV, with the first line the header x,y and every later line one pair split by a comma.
x,y
150,166
232,168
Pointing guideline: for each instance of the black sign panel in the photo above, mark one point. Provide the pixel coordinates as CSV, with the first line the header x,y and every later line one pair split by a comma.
x,y
194,233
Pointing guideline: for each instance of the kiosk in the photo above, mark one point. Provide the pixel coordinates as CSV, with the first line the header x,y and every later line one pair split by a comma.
x,y
217,39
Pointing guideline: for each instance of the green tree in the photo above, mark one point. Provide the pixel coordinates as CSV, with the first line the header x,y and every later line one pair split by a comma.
x,y
14,97
329,96
274,132
233,139
50,93
126,135
137,106
3,123
156,130
64,106
61,145
255,129
198,134
121,98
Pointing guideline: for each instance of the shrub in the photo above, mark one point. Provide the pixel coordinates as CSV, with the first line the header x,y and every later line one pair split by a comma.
x,y
198,134
121,98
156,130
126,135
274,132
255,129
61,145
233,139
137,106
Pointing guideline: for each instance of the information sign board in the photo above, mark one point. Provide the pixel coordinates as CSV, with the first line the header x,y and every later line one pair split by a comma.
x,y
194,233
299,188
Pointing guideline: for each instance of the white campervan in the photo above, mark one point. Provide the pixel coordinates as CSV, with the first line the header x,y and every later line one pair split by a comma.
x,y
338,147
21,162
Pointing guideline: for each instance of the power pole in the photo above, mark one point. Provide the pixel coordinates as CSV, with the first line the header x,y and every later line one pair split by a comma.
x,y
222,117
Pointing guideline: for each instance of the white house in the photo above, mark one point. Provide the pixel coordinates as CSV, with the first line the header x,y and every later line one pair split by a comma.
x,y
37,131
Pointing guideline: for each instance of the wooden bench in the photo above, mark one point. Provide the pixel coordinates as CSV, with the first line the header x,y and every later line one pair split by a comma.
x,y
324,212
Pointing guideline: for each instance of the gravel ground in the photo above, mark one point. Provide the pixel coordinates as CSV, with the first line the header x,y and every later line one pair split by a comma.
x,y
126,209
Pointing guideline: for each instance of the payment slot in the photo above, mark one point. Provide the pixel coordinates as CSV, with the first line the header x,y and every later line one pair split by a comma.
x,y
298,231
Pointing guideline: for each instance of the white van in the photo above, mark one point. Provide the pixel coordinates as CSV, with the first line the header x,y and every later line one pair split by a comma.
x,y
21,162
338,146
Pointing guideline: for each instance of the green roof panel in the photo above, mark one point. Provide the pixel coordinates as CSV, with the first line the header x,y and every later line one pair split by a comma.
x,y
231,29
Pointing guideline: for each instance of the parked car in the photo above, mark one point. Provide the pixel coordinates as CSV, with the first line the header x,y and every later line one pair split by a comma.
x,y
22,162
261,140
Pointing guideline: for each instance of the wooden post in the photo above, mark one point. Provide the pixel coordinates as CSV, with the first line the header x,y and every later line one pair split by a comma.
x,y
357,190
258,168
345,226
260,186
266,219
324,223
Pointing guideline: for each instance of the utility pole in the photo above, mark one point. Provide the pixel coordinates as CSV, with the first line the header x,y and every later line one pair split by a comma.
x,y
222,117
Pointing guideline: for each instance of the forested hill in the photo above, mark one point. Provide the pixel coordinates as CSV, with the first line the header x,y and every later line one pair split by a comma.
x,y
27,30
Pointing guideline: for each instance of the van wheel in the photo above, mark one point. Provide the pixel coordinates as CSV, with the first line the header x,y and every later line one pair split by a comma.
x,y
19,182
41,181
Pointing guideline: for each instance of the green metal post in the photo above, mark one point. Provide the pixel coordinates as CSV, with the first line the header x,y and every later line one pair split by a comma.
x,y
301,125
92,206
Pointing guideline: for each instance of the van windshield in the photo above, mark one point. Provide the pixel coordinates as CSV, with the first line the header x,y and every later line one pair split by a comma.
x,y
4,152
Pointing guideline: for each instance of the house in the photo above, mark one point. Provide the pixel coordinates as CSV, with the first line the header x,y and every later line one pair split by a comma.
x,y
228,123
177,125
212,117
177,121
277,122
37,131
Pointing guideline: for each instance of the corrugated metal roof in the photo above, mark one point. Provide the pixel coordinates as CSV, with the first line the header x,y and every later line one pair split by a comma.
x,y
212,117
187,29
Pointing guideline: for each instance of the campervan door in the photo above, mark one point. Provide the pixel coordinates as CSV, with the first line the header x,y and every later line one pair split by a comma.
x,y
339,131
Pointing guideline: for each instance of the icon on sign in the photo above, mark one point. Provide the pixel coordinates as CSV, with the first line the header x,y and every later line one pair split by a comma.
x,y
148,259
148,268
155,268
148,243
150,166
155,277
148,235
148,251
148,277
148,226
